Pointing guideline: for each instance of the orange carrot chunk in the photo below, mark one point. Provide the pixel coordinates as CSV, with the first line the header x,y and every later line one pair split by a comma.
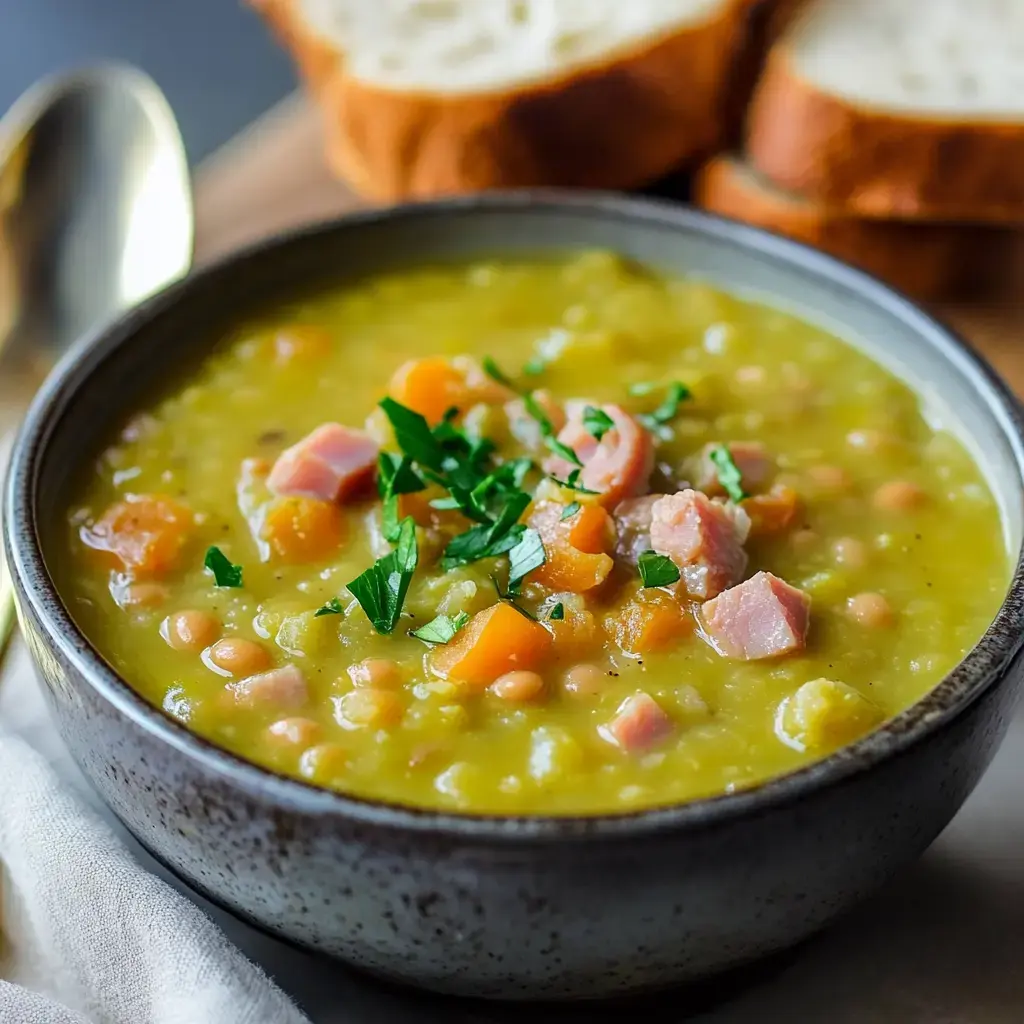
x,y
303,529
575,549
495,641
143,535
430,387
773,512
650,621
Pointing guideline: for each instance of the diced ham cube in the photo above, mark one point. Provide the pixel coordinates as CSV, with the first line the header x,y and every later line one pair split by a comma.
x,y
633,526
751,459
332,463
617,466
704,538
280,688
638,725
763,617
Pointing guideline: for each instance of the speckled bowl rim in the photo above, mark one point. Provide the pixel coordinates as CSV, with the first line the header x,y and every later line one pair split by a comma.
x,y
985,665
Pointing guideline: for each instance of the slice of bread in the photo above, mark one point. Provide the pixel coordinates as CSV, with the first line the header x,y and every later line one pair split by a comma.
x,y
927,261
427,97
898,108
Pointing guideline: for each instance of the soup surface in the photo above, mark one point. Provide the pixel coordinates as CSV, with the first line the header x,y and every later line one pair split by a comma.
x,y
658,542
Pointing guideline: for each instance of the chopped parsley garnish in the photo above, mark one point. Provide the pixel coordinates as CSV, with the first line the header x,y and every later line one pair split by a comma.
x,y
488,540
526,556
493,371
572,482
558,612
509,598
535,366
547,431
667,411
657,570
570,510
441,629
225,572
395,475
382,588
597,422
413,435
643,387
728,473
332,607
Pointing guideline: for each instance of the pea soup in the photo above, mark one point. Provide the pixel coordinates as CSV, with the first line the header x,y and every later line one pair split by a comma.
x,y
551,536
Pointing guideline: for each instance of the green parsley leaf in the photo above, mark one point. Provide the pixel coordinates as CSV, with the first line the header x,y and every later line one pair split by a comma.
x,y
668,409
507,598
413,435
441,629
225,572
395,475
643,387
728,473
381,589
389,524
332,607
558,612
597,422
562,450
488,540
535,366
657,570
494,372
570,510
572,482
526,556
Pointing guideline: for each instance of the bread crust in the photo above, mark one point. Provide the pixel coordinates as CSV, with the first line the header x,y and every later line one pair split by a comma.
x,y
617,124
926,260
879,164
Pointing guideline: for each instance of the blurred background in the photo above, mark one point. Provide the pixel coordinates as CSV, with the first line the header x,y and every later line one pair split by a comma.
x,y
217,79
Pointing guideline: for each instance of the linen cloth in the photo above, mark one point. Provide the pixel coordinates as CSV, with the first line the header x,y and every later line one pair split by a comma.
x,y
89,937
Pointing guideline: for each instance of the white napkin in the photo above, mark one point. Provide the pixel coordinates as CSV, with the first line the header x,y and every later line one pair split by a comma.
x,y
89,937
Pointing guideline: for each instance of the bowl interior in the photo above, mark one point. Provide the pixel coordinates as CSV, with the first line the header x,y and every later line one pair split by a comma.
x,y
106,378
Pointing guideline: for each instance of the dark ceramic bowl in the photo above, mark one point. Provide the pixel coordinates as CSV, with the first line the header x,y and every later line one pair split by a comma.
x,y
525,907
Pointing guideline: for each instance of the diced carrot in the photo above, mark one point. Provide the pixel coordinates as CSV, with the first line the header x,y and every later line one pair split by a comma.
x,y
144,535
302,529
772,512
430,386
497,640
576,634
592,530
575,549
300,343
650,621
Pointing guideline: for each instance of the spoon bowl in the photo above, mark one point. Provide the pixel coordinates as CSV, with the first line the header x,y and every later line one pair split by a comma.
x,y
95,215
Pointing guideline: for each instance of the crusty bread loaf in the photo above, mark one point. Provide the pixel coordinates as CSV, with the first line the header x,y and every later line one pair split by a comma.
x,y
926,261
427,97
898,108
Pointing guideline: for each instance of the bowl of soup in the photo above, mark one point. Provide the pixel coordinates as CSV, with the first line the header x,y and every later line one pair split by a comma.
x,y
530,596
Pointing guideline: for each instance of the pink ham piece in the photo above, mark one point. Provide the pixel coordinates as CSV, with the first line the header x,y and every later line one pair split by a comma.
x,y
704,538
751,459
763,617
638,725
617,466
332,463
283,688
